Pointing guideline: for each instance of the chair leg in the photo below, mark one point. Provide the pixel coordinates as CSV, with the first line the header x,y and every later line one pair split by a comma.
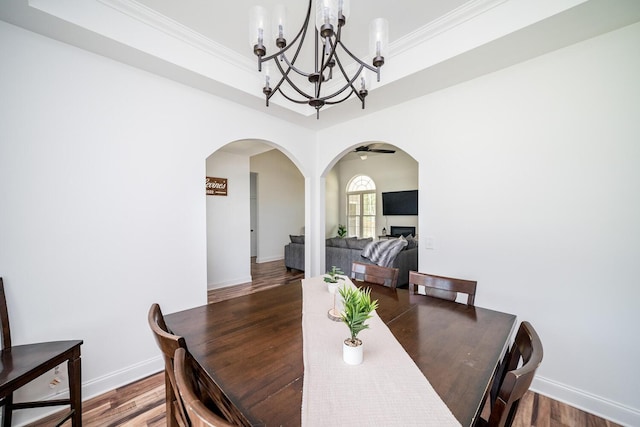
x,y
7,411
170,397
74,371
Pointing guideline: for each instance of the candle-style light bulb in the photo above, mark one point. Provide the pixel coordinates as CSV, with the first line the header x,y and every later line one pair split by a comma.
x,y
326,17
258,30
280,25
378,40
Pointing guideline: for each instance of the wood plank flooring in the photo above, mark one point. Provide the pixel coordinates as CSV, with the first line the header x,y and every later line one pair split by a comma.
x,y
141,404
264,276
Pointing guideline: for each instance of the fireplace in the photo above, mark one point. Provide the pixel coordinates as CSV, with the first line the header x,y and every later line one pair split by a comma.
x,y
397,231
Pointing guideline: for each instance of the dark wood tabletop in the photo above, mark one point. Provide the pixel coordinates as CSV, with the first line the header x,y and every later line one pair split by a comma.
x,y
249,349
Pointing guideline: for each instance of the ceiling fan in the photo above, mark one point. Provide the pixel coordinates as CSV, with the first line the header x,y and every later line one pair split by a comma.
x,y
364,149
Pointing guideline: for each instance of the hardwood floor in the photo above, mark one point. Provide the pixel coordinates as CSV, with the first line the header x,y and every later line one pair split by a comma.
x,y
141,404
265,275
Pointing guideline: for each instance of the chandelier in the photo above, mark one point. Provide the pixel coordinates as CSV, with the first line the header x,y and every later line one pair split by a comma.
x,y
322,86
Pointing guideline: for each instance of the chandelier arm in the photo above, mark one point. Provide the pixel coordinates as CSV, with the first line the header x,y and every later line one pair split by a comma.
x,y
293,42
292,99
333,43
343,99
319,70
338,92
357,74
325,63
277,89
334,55
358,60
293,67
347,85
285,77
291,63
283,73
290,66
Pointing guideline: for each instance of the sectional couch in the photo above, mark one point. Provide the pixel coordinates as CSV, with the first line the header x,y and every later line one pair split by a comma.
x,y
342,252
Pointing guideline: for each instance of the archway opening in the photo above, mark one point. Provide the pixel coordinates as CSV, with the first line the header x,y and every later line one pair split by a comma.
x,y
389,169
262,206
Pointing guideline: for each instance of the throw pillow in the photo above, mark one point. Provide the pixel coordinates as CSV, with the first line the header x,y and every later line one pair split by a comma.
x,y
296,239
411,242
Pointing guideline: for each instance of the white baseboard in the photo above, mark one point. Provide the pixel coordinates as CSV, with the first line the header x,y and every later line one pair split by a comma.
x,y
268,258
122,377
588,402
242,280
238,281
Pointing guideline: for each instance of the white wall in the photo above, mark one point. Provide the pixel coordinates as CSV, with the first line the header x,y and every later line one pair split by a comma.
x,y
102,202
530,184
228,222
332,203
280,203
390,172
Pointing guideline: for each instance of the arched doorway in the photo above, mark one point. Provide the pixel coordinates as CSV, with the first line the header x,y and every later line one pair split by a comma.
x,y
265,212
396,171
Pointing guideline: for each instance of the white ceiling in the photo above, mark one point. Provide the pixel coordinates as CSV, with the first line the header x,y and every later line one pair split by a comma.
x,y
433,43
227,22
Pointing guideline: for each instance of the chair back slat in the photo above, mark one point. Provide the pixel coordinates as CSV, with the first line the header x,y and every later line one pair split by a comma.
x,y
168,344
198,413
512,382
386,276
443,287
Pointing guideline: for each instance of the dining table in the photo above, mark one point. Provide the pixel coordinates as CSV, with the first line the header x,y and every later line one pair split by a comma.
x,y
248,351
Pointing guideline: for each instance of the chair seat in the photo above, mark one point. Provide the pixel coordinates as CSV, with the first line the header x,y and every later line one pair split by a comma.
x,y
21,364
17,362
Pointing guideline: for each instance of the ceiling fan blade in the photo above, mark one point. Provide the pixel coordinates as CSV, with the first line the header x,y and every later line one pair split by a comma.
x,y
368,149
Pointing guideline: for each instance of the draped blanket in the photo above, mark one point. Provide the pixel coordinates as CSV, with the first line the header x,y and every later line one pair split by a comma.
x,y
384,252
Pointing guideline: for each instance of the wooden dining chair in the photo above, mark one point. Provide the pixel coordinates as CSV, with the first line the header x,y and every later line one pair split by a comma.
x,y
372,273
513,377
21,364
199,414
443,287
168,344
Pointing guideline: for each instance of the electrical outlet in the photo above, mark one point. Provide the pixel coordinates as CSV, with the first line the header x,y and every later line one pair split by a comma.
x,y
430,242
58,379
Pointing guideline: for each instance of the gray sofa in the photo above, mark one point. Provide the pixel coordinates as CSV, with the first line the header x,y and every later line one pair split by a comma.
x,y
343,252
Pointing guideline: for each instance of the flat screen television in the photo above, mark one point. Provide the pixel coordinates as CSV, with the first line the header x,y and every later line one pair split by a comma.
x,y
400,203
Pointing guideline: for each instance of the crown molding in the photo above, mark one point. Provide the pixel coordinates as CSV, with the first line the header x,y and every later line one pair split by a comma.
x,y
446,22
168,26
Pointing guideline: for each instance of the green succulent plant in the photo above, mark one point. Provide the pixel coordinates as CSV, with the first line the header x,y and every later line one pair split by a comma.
x,y
357,310
342,231
333,275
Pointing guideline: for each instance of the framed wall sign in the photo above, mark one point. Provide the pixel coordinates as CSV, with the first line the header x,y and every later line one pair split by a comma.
x,y
216,186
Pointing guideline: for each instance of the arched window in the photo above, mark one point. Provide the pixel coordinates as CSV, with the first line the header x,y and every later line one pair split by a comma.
x,y
361,207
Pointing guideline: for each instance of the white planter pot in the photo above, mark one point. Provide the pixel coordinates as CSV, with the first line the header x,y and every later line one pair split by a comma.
x,y
333,287
352,355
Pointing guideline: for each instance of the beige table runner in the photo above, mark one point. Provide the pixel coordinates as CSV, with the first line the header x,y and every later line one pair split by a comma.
x,y
387,389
